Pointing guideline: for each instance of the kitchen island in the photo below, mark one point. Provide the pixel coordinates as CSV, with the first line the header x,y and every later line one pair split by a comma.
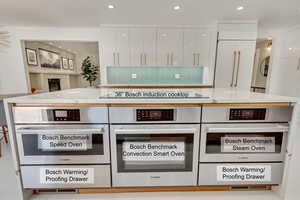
x,y
145,140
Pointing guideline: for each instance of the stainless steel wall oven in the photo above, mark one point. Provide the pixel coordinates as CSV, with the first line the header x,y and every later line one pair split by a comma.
x,y
164,153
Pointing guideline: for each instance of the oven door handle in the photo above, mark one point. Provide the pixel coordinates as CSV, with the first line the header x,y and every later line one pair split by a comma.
x,y
154,131
60,131
277,128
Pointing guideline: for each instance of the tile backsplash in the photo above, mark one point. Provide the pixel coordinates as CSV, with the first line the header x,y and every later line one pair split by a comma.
x,y
154,75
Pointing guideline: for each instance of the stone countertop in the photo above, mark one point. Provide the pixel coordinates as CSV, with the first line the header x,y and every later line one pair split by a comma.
x,y
5,96
103,96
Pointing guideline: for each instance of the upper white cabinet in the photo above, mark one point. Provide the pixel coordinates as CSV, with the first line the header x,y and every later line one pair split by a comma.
x,y
158,46
115,46
197,47
169,47
142,46
235,64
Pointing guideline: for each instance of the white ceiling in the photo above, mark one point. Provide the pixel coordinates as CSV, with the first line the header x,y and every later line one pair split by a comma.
x,y
272,14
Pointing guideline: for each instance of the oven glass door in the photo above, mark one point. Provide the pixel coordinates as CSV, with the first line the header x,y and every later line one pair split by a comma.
x,y
146,152
63,143
249,143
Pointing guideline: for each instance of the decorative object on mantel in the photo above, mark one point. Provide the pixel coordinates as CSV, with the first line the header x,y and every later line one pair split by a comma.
x,y
89,70
65,64
4,39
71,64
49,59
31,57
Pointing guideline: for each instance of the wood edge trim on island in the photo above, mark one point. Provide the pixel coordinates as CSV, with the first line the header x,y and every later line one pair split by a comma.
x,y
250,104
147,105
154,189
159,189
154,87
60,105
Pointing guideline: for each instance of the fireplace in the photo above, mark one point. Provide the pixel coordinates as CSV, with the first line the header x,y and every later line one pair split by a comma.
x,y
54,84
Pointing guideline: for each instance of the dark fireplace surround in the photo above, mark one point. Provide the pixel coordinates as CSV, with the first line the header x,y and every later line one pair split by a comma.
x,y
54,84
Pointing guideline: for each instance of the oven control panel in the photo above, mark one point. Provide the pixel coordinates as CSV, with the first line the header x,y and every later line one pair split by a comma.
x,y
63,115
247,114
154,114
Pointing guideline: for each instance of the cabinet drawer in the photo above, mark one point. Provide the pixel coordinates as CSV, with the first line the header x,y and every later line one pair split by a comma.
x,y
66,176
233,174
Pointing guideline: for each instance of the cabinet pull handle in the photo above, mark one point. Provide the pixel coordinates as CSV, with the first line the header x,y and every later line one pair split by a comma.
x,y
172,59
168,57
298,66
114,54
141,59
238,68
198,59
145,59
234,59
194,60
119,59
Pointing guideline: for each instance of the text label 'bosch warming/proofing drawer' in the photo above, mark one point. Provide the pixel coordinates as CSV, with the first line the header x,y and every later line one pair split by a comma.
x,y
240,173
66,176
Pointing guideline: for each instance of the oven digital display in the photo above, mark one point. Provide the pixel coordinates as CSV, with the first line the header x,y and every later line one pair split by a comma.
x,y
247,114
155,114
61,113
64,115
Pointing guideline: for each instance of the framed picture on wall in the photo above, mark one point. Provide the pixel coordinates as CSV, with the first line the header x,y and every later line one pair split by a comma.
x,y
71,64
49,59
31,57
65,63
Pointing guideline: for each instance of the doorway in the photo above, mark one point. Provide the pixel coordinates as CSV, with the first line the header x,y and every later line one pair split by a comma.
x,y
262,61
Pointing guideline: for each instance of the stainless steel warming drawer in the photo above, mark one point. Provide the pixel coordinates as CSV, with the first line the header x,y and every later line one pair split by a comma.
x,y
237,173
80,176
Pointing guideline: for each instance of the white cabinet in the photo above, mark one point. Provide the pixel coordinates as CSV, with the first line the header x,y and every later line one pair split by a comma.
x,y
235,64
115,47
169,47
142,42
197,47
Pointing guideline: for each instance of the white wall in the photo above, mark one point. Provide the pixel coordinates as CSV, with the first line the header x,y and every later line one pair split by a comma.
x,y
285,73
12,71
13,77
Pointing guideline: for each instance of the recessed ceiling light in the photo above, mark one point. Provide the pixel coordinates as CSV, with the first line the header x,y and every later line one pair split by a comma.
x,y
176,7
111,6
239,8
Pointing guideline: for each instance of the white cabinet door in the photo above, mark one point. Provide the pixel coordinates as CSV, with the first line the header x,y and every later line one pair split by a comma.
x,y
136,41
108,48
197,47
170,47
245,64
235,64
149,46
142,46
122,46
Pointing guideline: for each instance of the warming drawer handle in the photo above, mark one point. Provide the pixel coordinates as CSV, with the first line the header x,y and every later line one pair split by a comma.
x,y
150,131
247,129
